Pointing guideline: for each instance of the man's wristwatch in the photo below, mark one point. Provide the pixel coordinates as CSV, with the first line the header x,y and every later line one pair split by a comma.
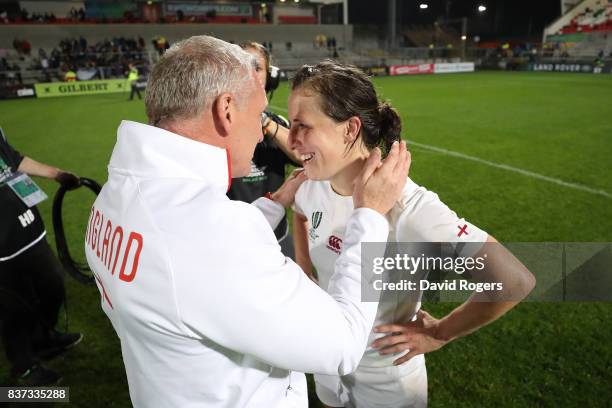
x,y
266,128
266,121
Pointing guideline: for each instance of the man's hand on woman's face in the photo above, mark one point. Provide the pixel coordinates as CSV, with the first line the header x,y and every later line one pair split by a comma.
x,y
285,195
380,184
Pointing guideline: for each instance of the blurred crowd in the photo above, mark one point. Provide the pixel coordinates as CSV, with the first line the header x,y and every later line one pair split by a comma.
x,y
105,59
74,15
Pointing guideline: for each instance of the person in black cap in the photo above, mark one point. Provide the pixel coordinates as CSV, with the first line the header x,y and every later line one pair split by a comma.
x,y
31,278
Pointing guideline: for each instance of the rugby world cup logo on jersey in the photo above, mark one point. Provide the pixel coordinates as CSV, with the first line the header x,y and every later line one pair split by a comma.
x,y
315,221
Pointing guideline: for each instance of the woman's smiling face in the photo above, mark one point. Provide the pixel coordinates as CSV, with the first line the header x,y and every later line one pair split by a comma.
x,y
319,139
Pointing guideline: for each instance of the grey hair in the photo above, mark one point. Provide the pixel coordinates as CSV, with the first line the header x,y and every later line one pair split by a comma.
x,y
192,74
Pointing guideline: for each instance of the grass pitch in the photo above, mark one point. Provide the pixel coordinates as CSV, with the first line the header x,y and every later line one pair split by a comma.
x,y
551,124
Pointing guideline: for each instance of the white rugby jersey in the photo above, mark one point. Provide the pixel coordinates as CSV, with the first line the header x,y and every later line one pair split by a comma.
x,y
418,216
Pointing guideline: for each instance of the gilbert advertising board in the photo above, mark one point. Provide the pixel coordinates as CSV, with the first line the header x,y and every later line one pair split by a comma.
x,y
411,69
53,89
453,67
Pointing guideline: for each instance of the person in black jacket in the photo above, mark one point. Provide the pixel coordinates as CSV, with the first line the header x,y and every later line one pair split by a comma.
x,y
271,155
31,278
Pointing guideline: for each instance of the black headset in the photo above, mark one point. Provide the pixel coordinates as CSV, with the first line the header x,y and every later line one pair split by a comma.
x,y
272,80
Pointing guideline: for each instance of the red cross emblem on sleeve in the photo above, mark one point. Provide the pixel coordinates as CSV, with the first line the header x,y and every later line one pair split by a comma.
x,y
462,230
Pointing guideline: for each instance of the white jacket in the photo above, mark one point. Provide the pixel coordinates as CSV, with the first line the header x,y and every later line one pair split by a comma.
x,y
208,310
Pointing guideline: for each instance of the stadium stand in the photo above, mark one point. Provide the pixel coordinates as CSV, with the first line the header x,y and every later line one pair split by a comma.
x,y
47,35
79,16
289,32
582,32
597,19
97,40
425,36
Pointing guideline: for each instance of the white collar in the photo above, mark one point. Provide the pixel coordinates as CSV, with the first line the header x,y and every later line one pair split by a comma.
x,y
151,152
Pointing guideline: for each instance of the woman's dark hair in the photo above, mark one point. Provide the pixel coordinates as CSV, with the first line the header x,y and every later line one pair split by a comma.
x,y
346,91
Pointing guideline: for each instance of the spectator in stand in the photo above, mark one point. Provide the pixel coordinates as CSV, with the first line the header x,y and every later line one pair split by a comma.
x,y
44,60
533,54
160,44
599,59
82,43
70,75
44,65
17,45
55,58
26,47
3,71
13,75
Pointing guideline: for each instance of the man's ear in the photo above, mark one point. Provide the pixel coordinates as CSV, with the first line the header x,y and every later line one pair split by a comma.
x,y
353,127
224,113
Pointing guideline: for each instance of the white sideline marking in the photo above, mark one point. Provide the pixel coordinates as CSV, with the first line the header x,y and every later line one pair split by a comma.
x,y
527,173
502,166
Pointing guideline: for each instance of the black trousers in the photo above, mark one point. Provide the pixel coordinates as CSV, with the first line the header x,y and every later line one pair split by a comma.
x,y
135,90
31,295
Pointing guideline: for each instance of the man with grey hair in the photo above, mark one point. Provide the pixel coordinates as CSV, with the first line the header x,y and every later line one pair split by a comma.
x,y
208,310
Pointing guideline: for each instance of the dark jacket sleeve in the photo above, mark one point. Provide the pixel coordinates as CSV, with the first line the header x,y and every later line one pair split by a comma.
x,y
12,156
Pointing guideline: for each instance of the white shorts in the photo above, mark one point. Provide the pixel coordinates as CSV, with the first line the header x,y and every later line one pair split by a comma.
x,y
403,386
